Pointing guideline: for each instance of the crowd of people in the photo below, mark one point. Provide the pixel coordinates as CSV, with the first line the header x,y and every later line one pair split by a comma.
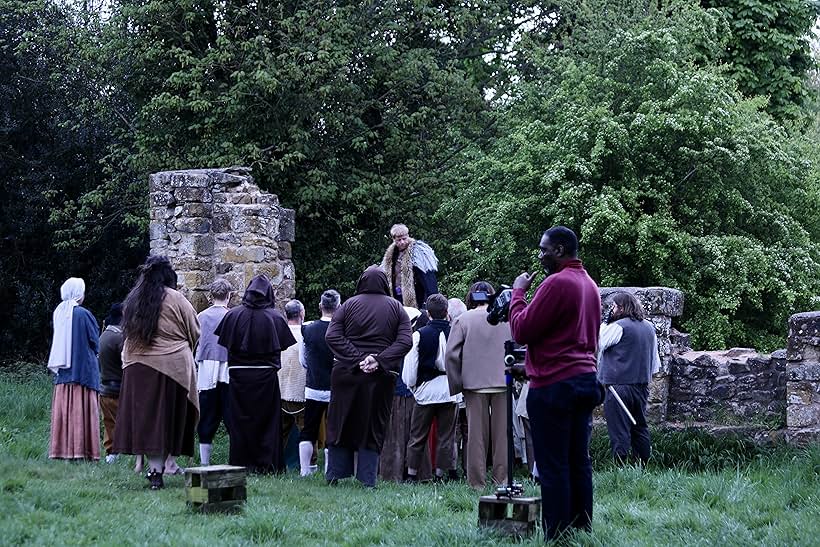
x,y
397,381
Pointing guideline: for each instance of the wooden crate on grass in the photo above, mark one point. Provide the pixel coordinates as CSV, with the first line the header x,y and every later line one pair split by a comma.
x,y
216,488
512,516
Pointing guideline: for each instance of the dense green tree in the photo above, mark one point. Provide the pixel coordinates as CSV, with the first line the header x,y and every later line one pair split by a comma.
x,y
666,172
50,146
347,110
769,50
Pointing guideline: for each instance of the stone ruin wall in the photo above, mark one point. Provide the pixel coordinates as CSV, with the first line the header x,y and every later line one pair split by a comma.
x,y
217,223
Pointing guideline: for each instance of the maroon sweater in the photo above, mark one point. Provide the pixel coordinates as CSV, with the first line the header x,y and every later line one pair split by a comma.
x,y
560,326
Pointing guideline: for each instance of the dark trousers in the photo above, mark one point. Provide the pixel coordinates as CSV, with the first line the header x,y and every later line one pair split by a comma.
x,y
420,423
213,409
340,465
624,436
315,412
561,422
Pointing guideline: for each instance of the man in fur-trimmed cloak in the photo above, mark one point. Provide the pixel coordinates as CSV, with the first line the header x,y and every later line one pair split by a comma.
x,y
411,268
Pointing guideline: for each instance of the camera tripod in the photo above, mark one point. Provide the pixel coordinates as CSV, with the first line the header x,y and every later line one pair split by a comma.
x,y
507,510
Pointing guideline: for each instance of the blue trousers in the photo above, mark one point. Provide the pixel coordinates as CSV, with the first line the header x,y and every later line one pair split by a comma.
x,y
561,422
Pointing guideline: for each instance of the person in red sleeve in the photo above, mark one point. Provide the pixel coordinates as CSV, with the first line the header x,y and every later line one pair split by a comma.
x,y
560,328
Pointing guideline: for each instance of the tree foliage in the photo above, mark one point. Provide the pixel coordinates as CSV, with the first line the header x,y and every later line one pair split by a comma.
x,y
50,146
642,124
347,111
666,172
769,50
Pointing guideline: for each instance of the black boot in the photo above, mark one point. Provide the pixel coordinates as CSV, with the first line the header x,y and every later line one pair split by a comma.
x,y
155,480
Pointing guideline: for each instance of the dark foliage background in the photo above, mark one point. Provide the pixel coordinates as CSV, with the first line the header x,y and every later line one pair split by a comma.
x,y
675,136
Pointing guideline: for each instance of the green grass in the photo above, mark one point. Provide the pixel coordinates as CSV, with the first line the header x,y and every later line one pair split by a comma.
x,y
699,492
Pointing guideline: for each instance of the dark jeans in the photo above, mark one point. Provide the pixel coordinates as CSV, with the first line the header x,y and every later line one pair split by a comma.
x,y
622,434
561,422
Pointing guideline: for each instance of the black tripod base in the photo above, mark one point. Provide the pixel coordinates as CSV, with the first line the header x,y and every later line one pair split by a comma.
x,y
513,516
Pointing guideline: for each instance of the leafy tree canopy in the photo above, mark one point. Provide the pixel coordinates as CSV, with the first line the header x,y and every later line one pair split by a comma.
x,y
666,172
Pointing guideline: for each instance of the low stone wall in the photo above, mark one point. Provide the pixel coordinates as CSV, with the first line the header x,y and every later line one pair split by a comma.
x,y
732,387
217,222
803,379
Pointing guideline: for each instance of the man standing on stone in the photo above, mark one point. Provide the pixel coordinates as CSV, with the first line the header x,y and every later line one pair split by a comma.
x,y
292,374
369,337
560,327
411,268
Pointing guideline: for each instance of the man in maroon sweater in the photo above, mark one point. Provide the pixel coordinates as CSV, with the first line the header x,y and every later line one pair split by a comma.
x,y
560,328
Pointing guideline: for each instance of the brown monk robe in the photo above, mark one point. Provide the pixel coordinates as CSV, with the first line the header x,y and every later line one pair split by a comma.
x,y
369,336
255,334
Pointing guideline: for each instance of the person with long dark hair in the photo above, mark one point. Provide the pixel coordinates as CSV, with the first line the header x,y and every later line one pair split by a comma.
x,y
255,334
159,407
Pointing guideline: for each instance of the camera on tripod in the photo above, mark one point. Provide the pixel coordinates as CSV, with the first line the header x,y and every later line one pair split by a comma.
x,y
499,308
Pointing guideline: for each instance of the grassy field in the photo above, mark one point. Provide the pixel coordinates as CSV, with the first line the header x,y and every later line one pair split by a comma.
x,y
700,492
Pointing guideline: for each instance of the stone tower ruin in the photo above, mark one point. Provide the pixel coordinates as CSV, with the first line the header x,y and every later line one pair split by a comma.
x,y
217,223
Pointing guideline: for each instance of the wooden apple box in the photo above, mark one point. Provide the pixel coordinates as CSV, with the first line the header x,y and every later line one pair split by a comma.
x,y
216,488
511,516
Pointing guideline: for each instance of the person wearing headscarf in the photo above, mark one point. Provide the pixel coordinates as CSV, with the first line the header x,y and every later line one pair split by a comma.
x,y
255,335
75,414
111,341
369,336
159,407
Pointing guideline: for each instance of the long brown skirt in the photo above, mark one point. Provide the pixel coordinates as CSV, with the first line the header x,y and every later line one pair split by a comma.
x,y
155,416
75,423
393,459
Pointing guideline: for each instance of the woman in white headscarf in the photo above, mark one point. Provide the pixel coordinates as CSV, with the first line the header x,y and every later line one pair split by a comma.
x,y
75,414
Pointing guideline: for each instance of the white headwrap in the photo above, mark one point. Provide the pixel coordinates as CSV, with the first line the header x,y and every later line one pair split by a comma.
x,y
71,292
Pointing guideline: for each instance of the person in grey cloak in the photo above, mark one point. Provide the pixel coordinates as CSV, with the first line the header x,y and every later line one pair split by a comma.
x,y
369,336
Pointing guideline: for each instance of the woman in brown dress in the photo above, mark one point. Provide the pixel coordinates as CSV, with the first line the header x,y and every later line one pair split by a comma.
x,y
159,407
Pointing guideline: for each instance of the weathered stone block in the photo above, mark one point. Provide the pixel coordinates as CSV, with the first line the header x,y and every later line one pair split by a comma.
x,y
193,225
158,182
189,179
192,279
223,268
203,245
800,416
285,251
272,270
156,230
196,209
804,337
243,254
798,372
193,194
161,199
287,225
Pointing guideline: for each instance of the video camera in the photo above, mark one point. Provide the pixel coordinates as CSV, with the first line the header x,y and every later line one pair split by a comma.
x,y
499,309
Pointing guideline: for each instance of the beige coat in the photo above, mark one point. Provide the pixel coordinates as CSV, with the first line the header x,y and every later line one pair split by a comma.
x,y
475,352
171,350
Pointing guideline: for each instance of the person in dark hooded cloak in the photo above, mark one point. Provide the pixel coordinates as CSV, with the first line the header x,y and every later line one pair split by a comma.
x,y
255,334
369,336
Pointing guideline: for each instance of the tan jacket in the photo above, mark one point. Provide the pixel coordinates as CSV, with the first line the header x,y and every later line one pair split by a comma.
x,y
475,352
